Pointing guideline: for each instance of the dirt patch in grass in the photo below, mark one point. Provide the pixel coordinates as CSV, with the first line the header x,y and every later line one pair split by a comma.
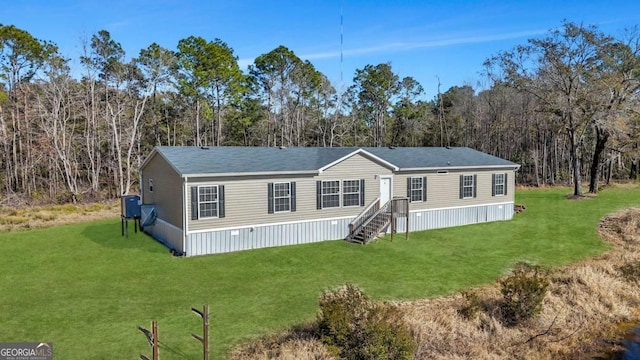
x,y
588,309
519,208
30,217
584,196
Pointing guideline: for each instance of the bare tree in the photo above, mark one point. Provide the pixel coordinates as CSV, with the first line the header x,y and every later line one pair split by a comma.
x,y
555,70
616,81
57,106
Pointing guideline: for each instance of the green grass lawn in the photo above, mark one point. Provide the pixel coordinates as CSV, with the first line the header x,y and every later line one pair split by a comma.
x,y
85,288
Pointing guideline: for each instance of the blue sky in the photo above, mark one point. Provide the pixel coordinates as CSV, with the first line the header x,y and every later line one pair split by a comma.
x,y
427,40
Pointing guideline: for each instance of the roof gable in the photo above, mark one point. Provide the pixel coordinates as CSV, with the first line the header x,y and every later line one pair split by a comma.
x,y
366,154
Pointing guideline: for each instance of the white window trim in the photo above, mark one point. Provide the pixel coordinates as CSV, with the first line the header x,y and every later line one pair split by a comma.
x,y
504,184
343,193
217,202
414,189
339,194
281,197
467,186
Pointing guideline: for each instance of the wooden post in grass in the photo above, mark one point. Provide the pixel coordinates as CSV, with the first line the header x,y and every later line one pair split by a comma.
x,y
393,221
154,329
406,236
204,339
152,338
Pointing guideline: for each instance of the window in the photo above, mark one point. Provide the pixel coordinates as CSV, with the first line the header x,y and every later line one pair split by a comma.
x,y
499,184
351,193
208,201
281,197
416,189
467,186
339,193
330,194
150,185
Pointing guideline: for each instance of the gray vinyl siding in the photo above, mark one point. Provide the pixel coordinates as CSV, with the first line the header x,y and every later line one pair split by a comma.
x,y
246,199
246,203
443,189
167,190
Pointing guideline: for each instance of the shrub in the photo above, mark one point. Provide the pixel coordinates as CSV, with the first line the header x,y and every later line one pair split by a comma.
x,y
523,292
471,306
354,327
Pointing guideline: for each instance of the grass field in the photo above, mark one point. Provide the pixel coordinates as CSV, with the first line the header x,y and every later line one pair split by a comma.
x,y
85,288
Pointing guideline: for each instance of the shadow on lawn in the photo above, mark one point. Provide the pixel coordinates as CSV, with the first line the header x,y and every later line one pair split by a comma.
x,y
110,235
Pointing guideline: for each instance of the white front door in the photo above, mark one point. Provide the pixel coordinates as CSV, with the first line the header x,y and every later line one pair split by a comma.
x,y
385,189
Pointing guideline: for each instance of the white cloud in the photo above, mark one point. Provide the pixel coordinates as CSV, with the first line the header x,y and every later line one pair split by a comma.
x,y
407,46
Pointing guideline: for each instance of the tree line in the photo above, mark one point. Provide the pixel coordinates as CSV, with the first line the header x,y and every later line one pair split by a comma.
x,y
565,106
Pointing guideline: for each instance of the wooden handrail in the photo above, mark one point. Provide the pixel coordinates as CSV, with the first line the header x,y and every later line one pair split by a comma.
x,y
369,210
370,231
370,222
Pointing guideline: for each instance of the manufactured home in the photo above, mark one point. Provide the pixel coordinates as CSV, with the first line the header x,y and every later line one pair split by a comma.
x,y
207,200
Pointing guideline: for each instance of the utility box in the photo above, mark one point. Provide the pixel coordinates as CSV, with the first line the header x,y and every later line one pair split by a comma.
x,y
130,206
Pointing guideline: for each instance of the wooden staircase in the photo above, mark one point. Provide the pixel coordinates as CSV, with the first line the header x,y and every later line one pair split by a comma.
x,y
375,220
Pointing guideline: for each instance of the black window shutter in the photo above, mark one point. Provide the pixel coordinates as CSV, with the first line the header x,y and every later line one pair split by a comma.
x,y
362,192
270,198
461,186
493,184
293,196
409,188
424,188
194,203
220,201
475,185
505,183
318,195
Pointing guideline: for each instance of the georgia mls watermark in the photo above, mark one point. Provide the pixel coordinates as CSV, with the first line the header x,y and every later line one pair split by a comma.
x,y
26,351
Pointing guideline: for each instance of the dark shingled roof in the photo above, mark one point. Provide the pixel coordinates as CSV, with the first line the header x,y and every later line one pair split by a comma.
x,y
193,161
436,157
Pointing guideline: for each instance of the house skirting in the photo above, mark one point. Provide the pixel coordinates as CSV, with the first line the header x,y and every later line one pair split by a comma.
x,y
456,216
262,236
168,234
270,235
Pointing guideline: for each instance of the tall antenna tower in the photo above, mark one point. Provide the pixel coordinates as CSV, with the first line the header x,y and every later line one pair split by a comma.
x,y
341,42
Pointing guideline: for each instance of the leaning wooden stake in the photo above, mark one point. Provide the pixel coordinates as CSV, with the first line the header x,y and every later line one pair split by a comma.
x,y
152,338
204,339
